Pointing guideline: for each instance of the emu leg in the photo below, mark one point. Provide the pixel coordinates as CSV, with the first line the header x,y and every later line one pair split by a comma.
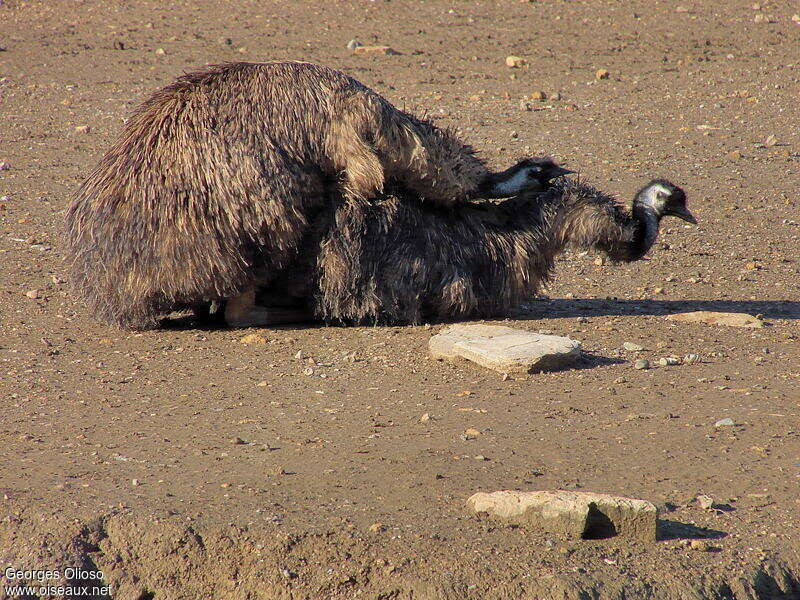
x,y
243,311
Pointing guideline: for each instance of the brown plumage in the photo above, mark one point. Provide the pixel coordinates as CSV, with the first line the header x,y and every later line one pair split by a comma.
x,y
210,187
395,260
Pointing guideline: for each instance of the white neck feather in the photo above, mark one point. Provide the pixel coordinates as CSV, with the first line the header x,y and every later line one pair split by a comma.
x,y
514,185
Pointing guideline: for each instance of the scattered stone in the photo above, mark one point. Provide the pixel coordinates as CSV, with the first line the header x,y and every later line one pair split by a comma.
x,y
425,418
83,129
691,359
726,422
668,361
135,482
377,527
601,74
32,294
584,515
471,433
539,96
253,338
504,349
515,62
237,441
555,96
631,347
770,141
718,318
481,458
700,546
353,44
5,166
523,105
735,154
641,364
658,290
224,41
374,50
277,470
160,52
705,501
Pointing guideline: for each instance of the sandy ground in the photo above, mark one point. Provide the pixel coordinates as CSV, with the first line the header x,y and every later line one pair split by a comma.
x,y
181,432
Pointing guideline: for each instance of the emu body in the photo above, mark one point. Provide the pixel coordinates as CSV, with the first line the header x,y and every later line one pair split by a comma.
x,y
211,185
395,260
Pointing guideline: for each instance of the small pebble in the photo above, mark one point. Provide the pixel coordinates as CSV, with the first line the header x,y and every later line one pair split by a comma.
x,y
425,418
700,546
4,166
32,294
705,501
539,96
377,527
353,44
160,52
515,62
691,359
83,129
481,457
238,441
601,74
135,482
641,364
631,347
253,338
726,422
668,361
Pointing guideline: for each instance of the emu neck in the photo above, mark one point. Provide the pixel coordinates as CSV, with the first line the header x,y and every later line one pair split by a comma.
x,y
649,219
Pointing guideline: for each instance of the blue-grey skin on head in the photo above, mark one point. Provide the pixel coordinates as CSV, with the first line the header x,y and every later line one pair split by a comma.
x,y
530,174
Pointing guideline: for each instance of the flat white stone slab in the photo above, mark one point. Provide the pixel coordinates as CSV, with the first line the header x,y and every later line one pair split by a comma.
x,y
504,349
586,515
718,318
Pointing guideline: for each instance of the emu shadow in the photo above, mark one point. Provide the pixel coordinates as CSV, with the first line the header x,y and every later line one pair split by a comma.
x,y
596,307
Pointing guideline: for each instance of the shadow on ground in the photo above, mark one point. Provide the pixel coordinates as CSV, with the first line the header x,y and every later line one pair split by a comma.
x,y
591,307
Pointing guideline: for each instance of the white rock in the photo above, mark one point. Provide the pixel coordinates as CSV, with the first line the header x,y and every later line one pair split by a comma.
x,y
504,349
573,514
718,318
726,422
631,347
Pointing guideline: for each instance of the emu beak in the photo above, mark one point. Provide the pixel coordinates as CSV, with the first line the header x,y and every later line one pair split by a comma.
x,y
559,172
683,213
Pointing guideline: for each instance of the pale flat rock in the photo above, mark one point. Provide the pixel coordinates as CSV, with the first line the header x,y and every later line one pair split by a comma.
x,y
504,349
718,318
585,515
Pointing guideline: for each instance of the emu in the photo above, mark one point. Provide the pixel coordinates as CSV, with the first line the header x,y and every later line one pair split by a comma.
x,y
210,187
394,260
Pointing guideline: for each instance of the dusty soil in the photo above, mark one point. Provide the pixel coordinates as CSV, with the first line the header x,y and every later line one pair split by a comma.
x,y
185,464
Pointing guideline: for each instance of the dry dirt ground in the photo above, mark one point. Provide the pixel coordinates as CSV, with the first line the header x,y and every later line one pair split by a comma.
x,y
185,464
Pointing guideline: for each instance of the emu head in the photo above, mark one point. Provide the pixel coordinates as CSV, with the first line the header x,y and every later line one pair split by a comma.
x,y
664,199
529,174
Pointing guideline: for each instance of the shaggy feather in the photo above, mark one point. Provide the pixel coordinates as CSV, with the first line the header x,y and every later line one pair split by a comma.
x,y
211,184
